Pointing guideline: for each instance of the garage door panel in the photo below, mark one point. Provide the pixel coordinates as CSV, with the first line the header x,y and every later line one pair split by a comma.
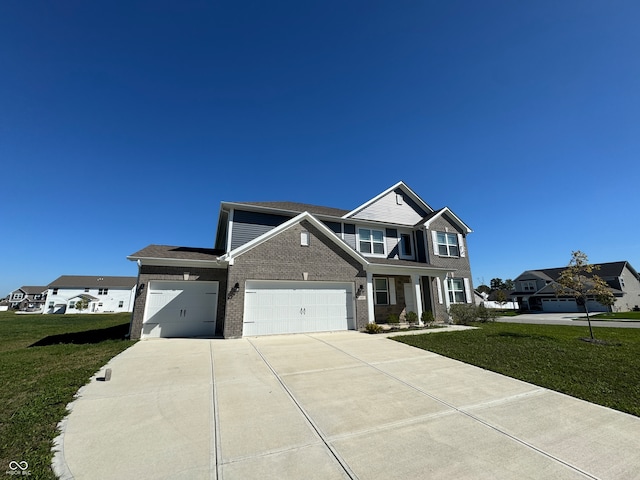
x,y
297,307
180,309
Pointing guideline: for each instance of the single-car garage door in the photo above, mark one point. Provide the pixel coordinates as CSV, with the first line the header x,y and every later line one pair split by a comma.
x,y
273,307
180,309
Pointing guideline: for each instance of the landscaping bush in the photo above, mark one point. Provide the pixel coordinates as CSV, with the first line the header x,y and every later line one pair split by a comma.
x,y
411,317
372,328
393,318
484,314
427,317
463,313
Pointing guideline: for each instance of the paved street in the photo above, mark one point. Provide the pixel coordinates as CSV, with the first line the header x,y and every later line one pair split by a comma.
x,y
566,319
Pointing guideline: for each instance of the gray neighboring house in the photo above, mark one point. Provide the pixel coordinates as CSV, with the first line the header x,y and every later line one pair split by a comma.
x,y
535,289
285,267
28,298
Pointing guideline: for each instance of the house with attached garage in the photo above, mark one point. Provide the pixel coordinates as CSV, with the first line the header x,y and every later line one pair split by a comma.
x,y
99,294
536,291
285,267
28,298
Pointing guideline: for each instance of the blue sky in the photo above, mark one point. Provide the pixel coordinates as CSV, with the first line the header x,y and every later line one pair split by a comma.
x,y
127,123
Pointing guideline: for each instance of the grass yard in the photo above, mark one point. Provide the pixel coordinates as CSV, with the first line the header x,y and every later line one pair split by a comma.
x,y
551,356
617,316
44,360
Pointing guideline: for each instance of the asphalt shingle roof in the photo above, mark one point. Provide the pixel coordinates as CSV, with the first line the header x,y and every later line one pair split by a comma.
x,y
84,281
299,207
183,253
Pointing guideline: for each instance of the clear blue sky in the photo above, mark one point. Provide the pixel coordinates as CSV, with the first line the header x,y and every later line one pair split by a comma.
x,y
127,123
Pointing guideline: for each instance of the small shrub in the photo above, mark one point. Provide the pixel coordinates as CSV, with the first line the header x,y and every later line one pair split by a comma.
x,y
463,313
427,317
373,328
485,315
411,317
393,318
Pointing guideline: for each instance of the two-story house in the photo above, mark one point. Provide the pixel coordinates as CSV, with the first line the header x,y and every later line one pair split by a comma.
x,y
100,294
284,267
27,298
536,289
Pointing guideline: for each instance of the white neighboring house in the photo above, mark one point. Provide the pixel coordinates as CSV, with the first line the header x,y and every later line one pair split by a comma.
x,y
103,294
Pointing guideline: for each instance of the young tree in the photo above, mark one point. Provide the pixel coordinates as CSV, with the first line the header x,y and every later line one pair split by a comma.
x,y
579,281
82,305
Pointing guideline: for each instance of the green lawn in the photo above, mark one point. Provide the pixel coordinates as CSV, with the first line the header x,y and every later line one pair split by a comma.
x,y
44,360
618,316
551,356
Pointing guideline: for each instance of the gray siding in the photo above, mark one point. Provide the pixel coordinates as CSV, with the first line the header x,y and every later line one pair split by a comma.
x,y
350,235
250,225
386,209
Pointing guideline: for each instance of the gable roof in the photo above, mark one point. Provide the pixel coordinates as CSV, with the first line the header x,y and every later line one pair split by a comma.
x,y
401,185
176,256
432,216
32,290
280,228
84,281
295,207
610,269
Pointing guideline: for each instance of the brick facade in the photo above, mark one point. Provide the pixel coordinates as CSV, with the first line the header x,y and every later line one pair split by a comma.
x,y
284,258
148,273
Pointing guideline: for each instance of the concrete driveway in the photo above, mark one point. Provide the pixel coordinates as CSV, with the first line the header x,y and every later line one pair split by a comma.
x,y
332,405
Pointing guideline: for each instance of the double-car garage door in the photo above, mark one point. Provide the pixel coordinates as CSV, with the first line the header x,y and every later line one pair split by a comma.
x,y
188,308
273,307
180,309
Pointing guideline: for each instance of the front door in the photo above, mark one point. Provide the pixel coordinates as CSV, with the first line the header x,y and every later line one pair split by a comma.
x,y
409,300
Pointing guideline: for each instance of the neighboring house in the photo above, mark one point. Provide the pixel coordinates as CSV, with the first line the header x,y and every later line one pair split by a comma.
x,y
102,294
535,289
28,298
283,267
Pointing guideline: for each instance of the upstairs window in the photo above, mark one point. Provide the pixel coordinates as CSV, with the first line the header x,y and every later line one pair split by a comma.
x,y
528,285
103,291
55,291
371,241
18,296
447,244
406,247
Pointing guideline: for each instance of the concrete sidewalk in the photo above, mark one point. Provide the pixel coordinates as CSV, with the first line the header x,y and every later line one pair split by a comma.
x,y
333,405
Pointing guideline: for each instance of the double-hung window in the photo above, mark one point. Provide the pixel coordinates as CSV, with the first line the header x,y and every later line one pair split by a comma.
x,y
381,291
448,244
371,241
528,285
456,290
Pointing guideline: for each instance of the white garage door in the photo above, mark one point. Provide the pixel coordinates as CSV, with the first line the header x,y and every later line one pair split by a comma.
x,y
297,307
570,305
180,309
559,305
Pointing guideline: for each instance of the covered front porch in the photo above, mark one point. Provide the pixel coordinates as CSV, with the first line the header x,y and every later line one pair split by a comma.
x,y
395,289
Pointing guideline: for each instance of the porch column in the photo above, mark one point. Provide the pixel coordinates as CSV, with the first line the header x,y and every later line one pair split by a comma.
x,y
445,293
417,292
370,308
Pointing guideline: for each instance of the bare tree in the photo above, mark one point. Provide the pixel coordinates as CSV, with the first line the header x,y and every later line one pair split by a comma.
x,y
579,281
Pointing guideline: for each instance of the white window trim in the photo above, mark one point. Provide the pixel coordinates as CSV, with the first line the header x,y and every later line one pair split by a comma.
x,y
413,246
372,229
375,291
436,251
305,238
451,292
